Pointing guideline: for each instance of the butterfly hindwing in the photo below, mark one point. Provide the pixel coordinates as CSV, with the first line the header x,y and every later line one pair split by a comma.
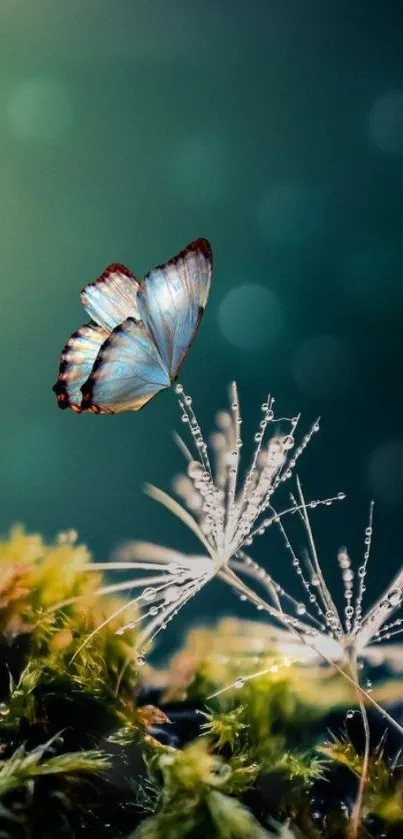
x,y
127,373
172,300
76,362
112,297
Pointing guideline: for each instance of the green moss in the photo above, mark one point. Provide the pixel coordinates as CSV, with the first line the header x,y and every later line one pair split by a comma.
x,y
194,800
54,685
23,767
383,794
79,757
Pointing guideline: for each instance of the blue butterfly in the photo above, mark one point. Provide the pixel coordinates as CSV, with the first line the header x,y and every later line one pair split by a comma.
x,y
139,334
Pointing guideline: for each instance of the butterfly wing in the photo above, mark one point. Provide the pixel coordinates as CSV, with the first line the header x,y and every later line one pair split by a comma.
x,y
112,297
127,373
172,300
76,362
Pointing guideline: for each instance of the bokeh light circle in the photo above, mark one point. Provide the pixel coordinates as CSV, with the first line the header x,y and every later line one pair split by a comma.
x,y
323,367
291,214
250,316
385,122
40,109
385,472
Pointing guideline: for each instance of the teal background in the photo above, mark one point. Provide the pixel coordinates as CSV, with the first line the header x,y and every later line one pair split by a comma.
x,y
275,129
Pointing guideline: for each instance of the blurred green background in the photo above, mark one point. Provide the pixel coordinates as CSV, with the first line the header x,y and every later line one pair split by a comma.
x,y
275,129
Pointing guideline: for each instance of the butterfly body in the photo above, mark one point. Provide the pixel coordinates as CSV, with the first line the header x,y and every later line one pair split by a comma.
x,y
139,334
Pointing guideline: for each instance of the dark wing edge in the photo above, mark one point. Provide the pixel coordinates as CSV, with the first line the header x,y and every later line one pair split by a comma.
x,y
113,268
112,297
200,246
201,311
61,386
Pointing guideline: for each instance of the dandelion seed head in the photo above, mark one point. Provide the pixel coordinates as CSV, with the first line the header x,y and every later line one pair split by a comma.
x,y
227,502
226,506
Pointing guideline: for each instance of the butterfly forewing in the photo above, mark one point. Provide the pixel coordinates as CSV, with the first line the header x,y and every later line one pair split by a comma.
x,y
76,362
127,373
172,300
112,297
141,334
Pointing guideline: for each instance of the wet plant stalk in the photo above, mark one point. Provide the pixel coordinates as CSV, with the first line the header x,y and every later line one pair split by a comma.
x,y
357,809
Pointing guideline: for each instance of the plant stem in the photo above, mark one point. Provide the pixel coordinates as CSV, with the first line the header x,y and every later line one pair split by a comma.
x,y
357,809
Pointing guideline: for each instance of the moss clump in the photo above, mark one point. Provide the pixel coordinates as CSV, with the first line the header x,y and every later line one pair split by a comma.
x,y
71,731
194,799
383,795
87,748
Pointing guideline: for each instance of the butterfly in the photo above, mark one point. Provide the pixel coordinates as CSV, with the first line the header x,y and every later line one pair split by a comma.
x,y
139,334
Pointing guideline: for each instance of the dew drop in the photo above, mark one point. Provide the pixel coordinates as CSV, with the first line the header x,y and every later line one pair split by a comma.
x,y
178,389
149,594
195,470
172,594
239,683
395,597
288,442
